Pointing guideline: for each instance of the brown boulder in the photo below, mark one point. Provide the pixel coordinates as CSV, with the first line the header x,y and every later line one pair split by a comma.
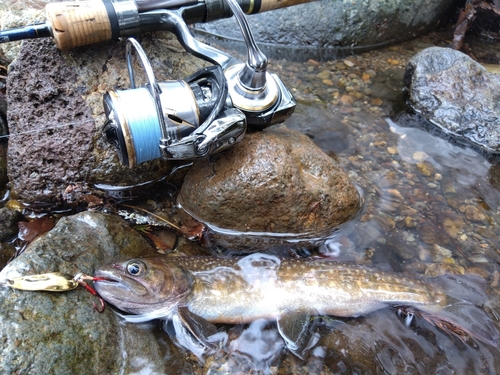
x,y
275,181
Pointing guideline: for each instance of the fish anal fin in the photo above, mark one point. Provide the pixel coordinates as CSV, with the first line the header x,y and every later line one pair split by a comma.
x,y
296,329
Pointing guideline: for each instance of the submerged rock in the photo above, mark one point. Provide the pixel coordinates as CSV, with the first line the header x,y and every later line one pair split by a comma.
x,y
275,181
59,333
457,95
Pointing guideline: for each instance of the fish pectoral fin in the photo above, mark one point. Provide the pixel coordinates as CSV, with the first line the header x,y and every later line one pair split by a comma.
x,y
200,328
297,330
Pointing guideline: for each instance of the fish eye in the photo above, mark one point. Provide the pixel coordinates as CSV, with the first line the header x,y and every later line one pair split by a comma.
x,y
136,267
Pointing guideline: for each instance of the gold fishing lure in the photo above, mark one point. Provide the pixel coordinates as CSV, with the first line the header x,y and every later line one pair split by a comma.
x,y
55,282
50,282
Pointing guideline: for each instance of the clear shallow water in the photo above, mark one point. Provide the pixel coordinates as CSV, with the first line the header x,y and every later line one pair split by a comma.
x,y
431,208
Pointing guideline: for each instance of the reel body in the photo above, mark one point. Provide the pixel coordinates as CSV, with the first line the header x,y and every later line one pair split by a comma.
x,y
202,114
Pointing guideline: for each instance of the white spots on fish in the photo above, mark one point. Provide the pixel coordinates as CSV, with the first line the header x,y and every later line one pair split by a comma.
x,y
215,292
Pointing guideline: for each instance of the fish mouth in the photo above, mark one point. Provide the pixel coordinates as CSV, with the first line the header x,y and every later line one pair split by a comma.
x,y
109,283
106,277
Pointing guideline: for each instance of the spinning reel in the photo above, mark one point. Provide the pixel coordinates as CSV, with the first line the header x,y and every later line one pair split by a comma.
x,y
202,114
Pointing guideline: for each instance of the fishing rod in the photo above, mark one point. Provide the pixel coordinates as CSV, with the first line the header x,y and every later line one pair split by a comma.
x,y
77,23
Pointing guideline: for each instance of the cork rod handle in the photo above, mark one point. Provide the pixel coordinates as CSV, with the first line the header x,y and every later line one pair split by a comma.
x,y
267,5
79,23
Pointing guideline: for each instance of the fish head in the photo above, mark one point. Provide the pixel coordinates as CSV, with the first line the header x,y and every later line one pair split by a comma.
x,y
151,287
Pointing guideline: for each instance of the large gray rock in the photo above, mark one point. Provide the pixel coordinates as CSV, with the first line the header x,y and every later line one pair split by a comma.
x,y
457,95
275,181
324,29
59,333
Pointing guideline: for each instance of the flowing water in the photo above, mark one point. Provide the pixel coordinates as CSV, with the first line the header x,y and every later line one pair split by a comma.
x,y
431,208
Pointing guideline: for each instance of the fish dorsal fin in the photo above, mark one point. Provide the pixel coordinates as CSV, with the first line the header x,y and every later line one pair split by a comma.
x,y
297,332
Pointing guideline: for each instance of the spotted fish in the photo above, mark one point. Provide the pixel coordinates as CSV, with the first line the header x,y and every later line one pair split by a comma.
x,y
260,286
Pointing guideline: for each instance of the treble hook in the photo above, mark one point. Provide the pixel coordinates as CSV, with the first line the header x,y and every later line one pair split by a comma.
x,y
80,278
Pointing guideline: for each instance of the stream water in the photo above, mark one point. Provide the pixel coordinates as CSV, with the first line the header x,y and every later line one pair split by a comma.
x,y
431,208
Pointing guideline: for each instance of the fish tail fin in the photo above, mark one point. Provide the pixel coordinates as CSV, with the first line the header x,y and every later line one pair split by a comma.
x,y
465,314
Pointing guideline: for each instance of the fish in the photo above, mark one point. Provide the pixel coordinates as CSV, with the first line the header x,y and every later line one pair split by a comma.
x,y
204,289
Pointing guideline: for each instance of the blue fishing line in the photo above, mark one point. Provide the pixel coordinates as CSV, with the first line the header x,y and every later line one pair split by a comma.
x,y
142,119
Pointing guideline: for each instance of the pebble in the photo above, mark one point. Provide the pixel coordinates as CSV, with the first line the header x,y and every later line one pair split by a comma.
x,y
325,74
425,169
424,254
410,222
419,156
313,62
452,227
439,253
346,100
472,213
348,63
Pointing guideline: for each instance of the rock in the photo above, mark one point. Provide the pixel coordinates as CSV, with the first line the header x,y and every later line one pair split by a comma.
x,y
62,91
457,95
275,181
8,223
59,333
339,27
15,13
7,252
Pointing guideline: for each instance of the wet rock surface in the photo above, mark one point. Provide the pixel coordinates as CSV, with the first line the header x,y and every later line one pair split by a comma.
x,y
456,94
339,27
274,181
41,165
59,333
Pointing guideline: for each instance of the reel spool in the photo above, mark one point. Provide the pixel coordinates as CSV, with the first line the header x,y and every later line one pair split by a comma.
x,y
204,114
145,123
